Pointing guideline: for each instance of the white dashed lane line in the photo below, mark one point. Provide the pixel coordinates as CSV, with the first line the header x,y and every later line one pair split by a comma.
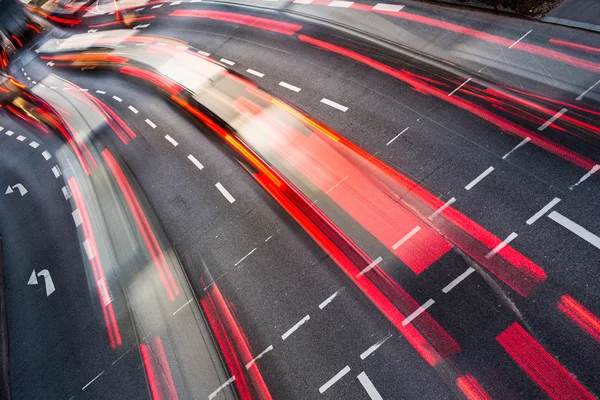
x,y
246,256
543,211
458,88
418,312
442,208
551,120
226,61
501,245
92,381
46,154
66,193
341,4
370,266
333,104
329,300
150,123
575,228
294,328
21,138
397,136
223,386
9,133
56,171
289,86
171,140
521,38
591,172
333,380
255,73
387,7
203,53
368,386
458,280
183,306
475,181
584,93
522,143
157,6
195,161
117,98
373,348
34,144
406,237
265,351
225,192
133,109
100,92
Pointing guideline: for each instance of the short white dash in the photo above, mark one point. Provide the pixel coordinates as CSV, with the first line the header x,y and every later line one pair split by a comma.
x,y
9,133
341,4
334,104
46,155
246,256
521,143
203,53
584,93
225,192
100,92
255,73
501,245
290,87
458,88
121,356
106,299
337,184
196,1
183,306
372,349
33,82
28,78
521,38
265,351
226,61
387,7
1,128
406,237
76,217
370,266
335,378
397,136
171,140
269,238
140,9
591,172
295,327
21,138
89,251
228,381
117,98
551,120
56,171
195,161
328,300
90,382
575,228
150,123
65,192
369,387
458,280
133,109
442,208
303,1
418,312
543,211
157,6
84,90
475,181
174,3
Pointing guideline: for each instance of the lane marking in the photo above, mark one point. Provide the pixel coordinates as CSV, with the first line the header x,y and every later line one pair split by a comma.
x,y
475,181
340,3
397,136
551,120
418,312
543,211
329,300
1,128
265,351
336,185
195,161
76,217
406,237
458,280
46,155
584,93
150,123
21,138
171,140
89,251
303,1
9,133
140,9
228,381
575,228
458,88
121,356
84,90
100,91
267,239
334,104
90,382
203,53
133,109
501,245
372,349
156,6
226,61
521,143
295,327
521,38
224,192
243,258
56,171
368,386
183,306
33,82
174,3
370,266
65,193
254,72
442,208
291,87
335,378
387,7
117,98
591,172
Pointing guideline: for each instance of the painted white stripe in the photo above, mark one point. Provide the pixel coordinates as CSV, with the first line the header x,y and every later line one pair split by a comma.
x,y
171,140
100,91
303,1
90,382
335,378
197,163
475,181
521,143
370,266
226,61
34,144
106,300
157,6
174,3
551,120
203,53
140,9
543,211
387,7
458,280
183,306
265,351
46,155
230,380
1,128
397,136
340,3
117,360
337,184
501,245
372,349
291,87
442,208
224,192
328,300
84,90
150,123
584,93
21,138
418,312
196,1
9,133
89,251
33,82
56,171
575,228
246,256
267,239
458,88
406,237
256,73
76,217
591,172
295,327
65,193
133,109
368,386
117,98
521,38
334,104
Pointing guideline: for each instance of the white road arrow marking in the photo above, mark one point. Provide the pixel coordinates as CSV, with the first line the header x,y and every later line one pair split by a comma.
x,y
22,190
33,279
8,190
48,280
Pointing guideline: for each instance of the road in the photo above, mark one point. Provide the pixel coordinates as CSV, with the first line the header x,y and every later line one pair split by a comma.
x,y
318,334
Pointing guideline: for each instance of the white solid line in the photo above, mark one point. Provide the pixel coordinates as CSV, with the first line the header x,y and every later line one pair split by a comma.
x,y
501,245
197,163
133,109
34,144
46,155
340,3
65,193
387,7
455,90
56,171
291,87
203,53
90,382
370,266
475,181
334,104
584,93
591,172
303,1
551,120
254,72
575,228
152,124
458,280
522,37
543,211
76,217
328,300
371,349
243,258
100,91
117,98
335,378
224,192
521,143
295,327
226,61
171,140
20,138
9,133
442,208
369,387
156,6
397,136
227,382
418,312
265,351
183,306
406,237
